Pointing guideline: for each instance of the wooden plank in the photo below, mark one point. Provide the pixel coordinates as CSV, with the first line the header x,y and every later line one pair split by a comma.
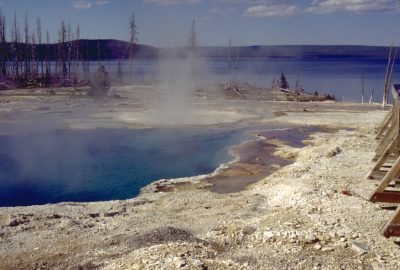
x,y
377,175
392,226
386,118
387,140
392,158
391,230
390,142
387,166
385,197
387,146
384,157
391,135
391,174
386,123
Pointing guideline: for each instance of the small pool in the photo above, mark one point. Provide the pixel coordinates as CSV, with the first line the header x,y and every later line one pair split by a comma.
x,y
104,164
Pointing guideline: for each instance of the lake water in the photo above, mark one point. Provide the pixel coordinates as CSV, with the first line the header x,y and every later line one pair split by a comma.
x,y
104,164
341,77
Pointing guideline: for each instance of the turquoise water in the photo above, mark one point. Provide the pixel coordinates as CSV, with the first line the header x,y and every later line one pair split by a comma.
x,y
104,164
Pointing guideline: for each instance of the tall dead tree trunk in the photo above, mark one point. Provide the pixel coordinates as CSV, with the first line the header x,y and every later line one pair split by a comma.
x,y
87,62
3,47
132,44
230,69
48,65
391,67
98,52
63,36
33,57
26,48
69,49
15,33
77,51
362,88
48,68
371,96
40,52
386,84
193,38
235,74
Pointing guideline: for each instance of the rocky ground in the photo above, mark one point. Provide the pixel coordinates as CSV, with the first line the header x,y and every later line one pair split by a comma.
x,y
311,214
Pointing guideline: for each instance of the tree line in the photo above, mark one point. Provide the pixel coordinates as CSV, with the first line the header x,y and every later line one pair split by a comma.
x,y
29,59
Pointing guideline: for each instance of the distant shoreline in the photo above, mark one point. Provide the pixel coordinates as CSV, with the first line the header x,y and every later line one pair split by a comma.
x,y
109,49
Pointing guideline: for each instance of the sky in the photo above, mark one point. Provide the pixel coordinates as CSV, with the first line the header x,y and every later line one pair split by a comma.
x,y
245,22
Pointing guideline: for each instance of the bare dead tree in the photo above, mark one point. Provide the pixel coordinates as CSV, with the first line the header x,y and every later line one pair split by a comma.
x,y
386,84
58,54
77,34
230,67
371,96
62,50
15,37
132,43
26,50
87,61
235,79
98,52
33,67
392,66
193,38
362,88
69,48
39,37
120,73
3,47
48,67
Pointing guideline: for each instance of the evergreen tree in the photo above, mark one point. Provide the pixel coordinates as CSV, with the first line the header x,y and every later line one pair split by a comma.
x,y
283,83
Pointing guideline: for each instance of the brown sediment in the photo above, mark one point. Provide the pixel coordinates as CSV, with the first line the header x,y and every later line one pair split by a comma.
x,y
255,159
293,137
279,113
168,186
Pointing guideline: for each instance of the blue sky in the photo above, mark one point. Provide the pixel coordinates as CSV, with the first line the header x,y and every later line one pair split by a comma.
x,y
246,22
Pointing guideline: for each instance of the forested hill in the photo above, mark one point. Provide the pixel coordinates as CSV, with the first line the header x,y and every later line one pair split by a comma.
x,y
299,51
115,49
88,50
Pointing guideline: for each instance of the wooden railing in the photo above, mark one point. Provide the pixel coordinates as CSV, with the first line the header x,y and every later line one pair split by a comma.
x,y
387,167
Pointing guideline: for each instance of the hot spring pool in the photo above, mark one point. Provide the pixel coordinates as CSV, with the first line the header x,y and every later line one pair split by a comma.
x,y
104,164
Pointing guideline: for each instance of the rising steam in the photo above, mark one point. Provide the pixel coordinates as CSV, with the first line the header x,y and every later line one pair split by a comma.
x,y
179,78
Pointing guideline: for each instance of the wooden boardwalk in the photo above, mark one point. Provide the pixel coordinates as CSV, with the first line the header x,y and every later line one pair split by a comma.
x,y
387,164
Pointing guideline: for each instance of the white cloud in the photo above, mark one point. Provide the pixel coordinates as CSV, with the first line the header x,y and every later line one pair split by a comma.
x,y
271,11
222,11
253,2
356,6
102,2
82,4
238,1
172,2
206,18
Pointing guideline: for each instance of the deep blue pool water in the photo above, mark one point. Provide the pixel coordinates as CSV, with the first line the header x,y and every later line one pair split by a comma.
x,y
104,164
